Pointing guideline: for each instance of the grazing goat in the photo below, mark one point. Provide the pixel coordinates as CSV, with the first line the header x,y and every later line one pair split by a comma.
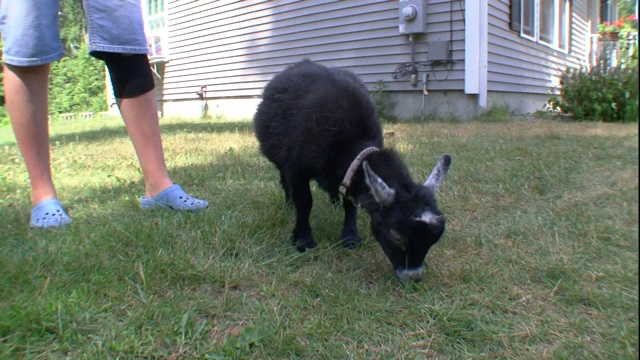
x,y
319,123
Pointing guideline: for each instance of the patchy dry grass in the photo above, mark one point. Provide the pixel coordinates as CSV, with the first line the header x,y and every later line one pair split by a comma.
x,y
540,258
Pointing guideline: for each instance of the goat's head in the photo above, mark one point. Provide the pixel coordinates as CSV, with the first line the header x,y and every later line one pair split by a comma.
x,y
407,223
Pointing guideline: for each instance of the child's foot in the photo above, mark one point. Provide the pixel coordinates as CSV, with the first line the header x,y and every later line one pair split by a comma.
x,y
174,198
48,214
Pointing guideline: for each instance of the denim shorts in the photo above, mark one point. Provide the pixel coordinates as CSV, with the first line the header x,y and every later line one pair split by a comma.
x,y
31,34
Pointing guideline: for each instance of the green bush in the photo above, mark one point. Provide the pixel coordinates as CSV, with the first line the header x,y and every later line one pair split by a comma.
x,y
4,117
604,93
383,102
77,83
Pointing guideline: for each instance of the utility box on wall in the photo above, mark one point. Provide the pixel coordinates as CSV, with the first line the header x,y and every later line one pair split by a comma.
x,y
412,15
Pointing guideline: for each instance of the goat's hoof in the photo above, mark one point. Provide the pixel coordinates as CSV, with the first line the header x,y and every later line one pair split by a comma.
x,y
351,242
304,244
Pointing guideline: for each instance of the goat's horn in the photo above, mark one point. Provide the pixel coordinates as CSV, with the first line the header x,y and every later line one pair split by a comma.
x,y
438,173
382,193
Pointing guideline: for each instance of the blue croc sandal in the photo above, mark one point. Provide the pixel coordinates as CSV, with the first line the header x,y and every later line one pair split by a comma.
x,y
49,214
174,198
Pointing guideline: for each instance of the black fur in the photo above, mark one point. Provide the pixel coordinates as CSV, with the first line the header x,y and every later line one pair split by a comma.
x,y
312,123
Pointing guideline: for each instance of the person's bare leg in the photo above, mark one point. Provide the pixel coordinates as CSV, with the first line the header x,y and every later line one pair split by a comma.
x,y
26,96
140,114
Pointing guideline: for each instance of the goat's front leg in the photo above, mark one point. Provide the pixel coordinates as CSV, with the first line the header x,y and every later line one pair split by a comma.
x,y
302,200
350,237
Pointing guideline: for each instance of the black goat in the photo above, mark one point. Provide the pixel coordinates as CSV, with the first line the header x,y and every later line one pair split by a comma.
x,y
319,123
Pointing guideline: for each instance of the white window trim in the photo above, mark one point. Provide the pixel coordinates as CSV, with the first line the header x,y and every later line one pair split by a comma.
x,y
536,24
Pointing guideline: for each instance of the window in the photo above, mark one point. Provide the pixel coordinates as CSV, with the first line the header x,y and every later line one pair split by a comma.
x,y
155,16
608,10
544,21
528,18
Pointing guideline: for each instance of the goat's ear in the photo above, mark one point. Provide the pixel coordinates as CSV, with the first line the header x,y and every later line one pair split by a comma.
x,y
438,173
382,193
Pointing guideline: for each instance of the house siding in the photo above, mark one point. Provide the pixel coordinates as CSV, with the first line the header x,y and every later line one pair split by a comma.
x,y
235,47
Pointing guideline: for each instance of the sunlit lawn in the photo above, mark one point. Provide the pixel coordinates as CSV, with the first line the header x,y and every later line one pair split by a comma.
x,y
539,260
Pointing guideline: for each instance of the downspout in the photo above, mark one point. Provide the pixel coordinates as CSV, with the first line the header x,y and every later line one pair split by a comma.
x,y
484,44
476,49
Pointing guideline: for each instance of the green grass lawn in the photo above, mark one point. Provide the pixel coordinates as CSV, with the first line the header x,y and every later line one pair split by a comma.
x,y
539,260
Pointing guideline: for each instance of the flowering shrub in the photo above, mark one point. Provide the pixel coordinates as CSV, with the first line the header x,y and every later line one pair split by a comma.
x,y
598,95
624,24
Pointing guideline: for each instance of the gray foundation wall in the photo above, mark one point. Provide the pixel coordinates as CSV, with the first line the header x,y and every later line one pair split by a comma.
x,y
408,105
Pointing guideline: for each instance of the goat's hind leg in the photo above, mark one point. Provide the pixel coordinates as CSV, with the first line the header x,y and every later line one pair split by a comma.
x,y
286,187
303,201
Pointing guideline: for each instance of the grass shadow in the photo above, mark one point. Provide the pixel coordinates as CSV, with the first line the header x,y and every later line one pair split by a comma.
x,y
118,131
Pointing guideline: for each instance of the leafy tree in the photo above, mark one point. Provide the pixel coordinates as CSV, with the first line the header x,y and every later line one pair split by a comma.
x,y
77,82
72,24
626,7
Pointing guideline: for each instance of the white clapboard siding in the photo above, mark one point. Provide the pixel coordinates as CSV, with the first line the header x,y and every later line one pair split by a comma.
x,y
236,47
